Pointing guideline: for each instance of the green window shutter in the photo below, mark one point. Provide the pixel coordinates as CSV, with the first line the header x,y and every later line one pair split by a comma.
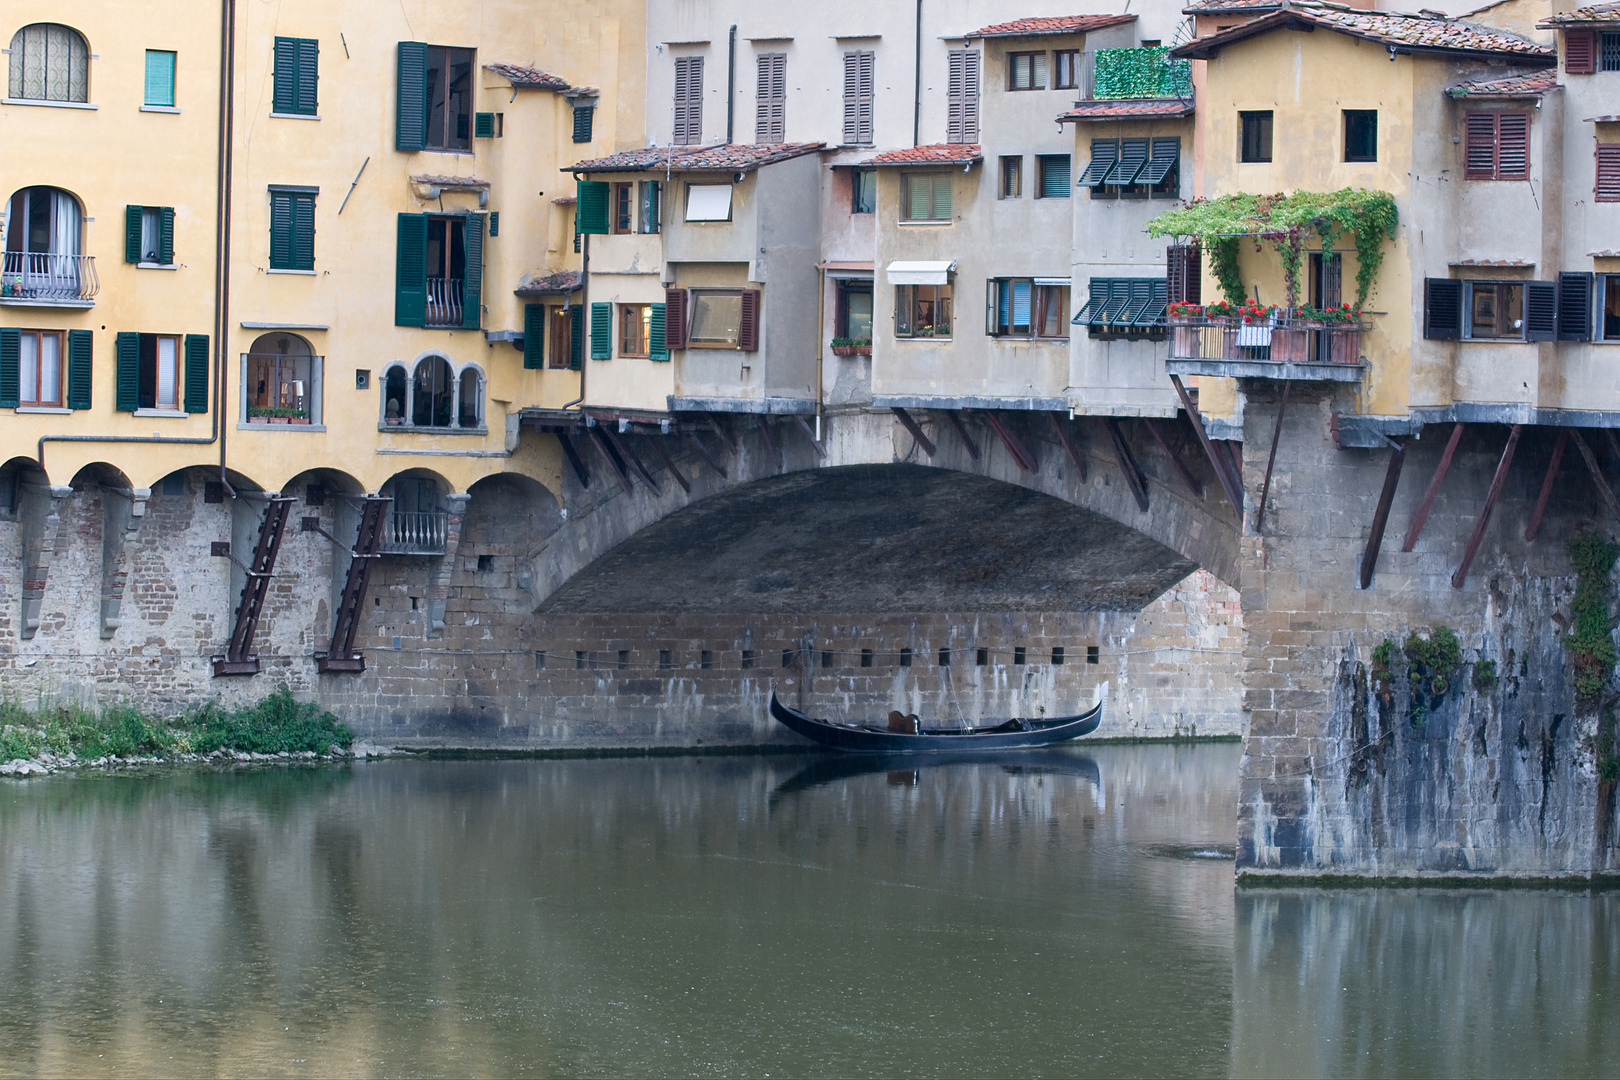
x,y
494,223
127,347
303,244
656,349
534,336
196,373
576,336
410,271
309,51
284,89
582,122
484,125
281,229
159,78
601,331
10,361
591,207
410,98
166,235
132,233
472,275
80,368
942,198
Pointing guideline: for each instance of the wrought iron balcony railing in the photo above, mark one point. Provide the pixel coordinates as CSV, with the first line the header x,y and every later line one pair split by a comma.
x,y
1284,341
443,302
36,277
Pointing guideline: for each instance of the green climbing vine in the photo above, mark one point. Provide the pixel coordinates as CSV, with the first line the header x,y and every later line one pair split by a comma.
x,y
1590,639
1143,72
1288,222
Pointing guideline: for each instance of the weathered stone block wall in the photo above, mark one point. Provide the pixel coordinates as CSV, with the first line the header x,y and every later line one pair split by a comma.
x,y
1340,778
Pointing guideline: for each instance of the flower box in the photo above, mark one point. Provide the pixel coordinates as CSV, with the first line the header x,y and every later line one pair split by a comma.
x,y
1344,346
863,350
1291,344
843,350
1185,340
297,419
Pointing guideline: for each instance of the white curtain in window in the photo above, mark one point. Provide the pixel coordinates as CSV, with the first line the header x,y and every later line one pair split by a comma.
x,y
167,373
50,368
28,383
49,63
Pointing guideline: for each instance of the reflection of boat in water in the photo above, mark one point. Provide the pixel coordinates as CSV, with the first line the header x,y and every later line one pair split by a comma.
x,y
906,735
903,768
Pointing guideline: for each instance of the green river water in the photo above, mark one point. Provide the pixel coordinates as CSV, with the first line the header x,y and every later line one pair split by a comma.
x,y
1070,913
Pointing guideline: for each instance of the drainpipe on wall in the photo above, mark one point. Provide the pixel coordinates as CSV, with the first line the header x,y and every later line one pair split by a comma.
x,y
731,82
222,248
916,95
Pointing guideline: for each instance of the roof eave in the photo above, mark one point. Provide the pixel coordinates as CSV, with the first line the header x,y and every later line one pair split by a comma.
x,y
1207,48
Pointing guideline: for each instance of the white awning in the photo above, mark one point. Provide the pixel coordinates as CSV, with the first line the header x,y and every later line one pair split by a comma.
x,y
1051,281
919,273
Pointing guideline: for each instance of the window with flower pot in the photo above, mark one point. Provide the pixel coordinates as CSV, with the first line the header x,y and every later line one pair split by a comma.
x,y
852,322
922,311
1027,308
281,375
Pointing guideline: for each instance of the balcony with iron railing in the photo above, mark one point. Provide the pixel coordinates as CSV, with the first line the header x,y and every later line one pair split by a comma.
x,y
1274,347
412,532
444,302
45,279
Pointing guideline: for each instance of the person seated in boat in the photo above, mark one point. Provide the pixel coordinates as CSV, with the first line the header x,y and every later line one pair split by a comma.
x,y
903,724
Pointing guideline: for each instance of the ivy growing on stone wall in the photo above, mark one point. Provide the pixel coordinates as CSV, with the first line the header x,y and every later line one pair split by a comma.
x,y
1145,72
1590,640
1287,221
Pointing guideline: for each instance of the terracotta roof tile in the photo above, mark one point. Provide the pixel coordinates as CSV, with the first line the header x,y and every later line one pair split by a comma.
x,y
733,157
1128,109
549,282
1533,85
1398,29
937,154
1597,13
1062,24
528,78
1219,7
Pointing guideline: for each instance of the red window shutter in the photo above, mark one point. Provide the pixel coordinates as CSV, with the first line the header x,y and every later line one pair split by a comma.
x,y
1608,173
1580,52
674,319
1513,146
1479,146
748,327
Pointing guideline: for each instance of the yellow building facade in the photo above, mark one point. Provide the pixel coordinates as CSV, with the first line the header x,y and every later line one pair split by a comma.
x,y
304,236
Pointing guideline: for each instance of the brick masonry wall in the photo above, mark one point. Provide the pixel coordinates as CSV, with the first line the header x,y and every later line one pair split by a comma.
x,y
1171,669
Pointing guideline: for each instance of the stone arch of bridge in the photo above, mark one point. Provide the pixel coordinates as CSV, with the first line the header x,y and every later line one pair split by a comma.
x,y
1182,528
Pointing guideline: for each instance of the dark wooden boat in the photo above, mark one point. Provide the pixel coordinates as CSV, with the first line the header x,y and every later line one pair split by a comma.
x,y
872,739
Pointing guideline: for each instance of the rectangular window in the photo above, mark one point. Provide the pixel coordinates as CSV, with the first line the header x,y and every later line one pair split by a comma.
x,y
1610,284
1125,308
449,98
1054,176
922,311
584,117
39,368
651,206
559,336
1255,142
858,97
708,202
854,316
1495,310
927,197
296,76
281,384
160,371
716,319
1361,134
635,329
1012,177
688,130
149,235
962,96
623,207
1026,71
770,100
1068,69
863,191
1028,307
1496,146
1609,52
292,230
159,79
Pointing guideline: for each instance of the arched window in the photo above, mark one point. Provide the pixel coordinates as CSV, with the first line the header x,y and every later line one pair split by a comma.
x,y
394,396
470,403
433,393
42,258
49,63
283,380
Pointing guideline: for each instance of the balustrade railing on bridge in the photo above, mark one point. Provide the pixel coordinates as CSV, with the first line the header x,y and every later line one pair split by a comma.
x,y
415,533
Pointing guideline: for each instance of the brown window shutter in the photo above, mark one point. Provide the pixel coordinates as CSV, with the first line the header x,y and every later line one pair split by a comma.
x,y
1183,274
1580,52
748,326
1608,173
1479,146
1513,146
674,319
962,97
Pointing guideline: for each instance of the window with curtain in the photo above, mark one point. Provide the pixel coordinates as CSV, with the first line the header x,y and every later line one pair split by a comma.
x,y
1028,307
49,63
922,311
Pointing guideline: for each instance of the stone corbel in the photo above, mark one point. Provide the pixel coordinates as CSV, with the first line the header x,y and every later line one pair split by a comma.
x,y
439,588
120,531
39,520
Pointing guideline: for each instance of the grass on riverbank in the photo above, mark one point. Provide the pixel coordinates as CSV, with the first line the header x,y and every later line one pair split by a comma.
x,y
277,723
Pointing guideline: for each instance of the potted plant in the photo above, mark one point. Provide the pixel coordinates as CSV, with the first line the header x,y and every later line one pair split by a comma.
x,y
843,346
1291,337
1344,334
863,346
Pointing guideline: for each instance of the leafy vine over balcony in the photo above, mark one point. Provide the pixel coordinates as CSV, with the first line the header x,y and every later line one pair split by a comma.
x,y
1288,222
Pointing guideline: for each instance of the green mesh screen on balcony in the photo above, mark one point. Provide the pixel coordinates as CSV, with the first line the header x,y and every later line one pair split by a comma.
x,y
1146,72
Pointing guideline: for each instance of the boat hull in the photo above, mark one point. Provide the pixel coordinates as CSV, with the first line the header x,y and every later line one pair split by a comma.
x,y
863,740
